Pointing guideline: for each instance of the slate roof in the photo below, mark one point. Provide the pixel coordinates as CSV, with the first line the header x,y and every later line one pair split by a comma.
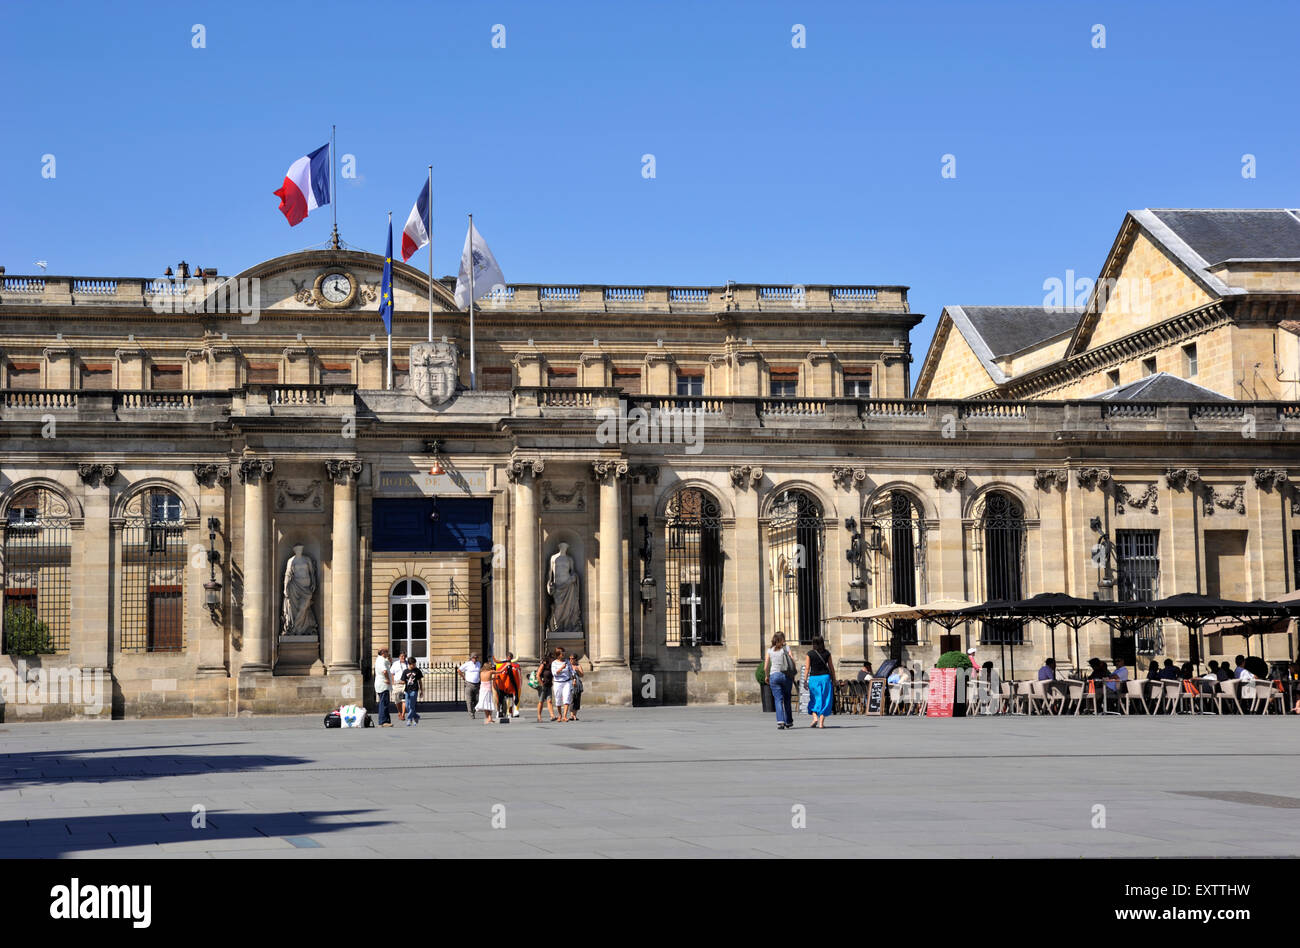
x,y
1161,387
1008,329
1219,235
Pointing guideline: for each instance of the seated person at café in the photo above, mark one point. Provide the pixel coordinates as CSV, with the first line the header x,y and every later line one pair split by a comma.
x,y
1186,672
1048,671
1213,670
1225,671
1240,671
1153,673
865,671
1121,675
1169,672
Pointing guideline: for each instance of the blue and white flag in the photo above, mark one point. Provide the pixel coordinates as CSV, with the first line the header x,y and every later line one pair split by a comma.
x,y
386,288
487,274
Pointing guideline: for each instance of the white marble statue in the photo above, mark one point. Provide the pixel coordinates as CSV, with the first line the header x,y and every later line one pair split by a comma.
x,y
299,593
562,586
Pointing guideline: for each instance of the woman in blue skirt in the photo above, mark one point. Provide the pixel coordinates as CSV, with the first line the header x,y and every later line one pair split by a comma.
x,y
820,671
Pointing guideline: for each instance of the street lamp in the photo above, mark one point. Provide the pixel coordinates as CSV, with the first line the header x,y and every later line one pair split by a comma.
x,y
212,588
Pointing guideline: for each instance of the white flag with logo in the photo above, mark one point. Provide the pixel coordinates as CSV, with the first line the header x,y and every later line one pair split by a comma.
x,y
487,274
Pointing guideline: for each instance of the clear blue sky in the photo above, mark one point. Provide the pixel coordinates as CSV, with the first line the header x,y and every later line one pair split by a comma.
x,y
773,164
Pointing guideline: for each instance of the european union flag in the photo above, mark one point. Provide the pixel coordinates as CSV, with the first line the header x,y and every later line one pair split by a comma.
x,y
386,288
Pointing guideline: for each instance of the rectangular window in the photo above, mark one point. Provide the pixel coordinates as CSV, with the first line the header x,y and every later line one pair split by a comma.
x,y
401,373
783,383
857,383
164,507
96,376
1149,366
1189,359
496,378
629,380
166,378
1112,378
336,373
564,378
689,383
24,375
264,373
1137,558
166,620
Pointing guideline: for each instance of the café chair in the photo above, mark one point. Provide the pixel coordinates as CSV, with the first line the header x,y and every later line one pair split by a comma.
x,y
1230,692
1134,690
1265,693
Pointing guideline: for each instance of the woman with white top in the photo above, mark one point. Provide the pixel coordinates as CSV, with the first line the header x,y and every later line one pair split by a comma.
x,y
399,673
778,669
562,687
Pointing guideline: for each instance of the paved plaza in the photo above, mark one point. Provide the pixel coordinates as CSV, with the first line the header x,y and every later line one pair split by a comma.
x,y
676,782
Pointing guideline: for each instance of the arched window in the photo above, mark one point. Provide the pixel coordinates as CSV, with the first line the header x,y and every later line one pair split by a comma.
x,y
795,539
693,568
408,619
895,540
37,572
1000,541
153,573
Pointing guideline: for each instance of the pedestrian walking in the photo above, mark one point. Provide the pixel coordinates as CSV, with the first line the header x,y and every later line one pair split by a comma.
x,y
577,687
545,689
383,683
486,697
562,685
519,688
821,682
411,679
469,672
779,670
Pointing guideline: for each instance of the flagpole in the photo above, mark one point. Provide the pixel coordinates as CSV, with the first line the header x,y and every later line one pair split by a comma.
x,y
334,191
430,236
390,314
472,380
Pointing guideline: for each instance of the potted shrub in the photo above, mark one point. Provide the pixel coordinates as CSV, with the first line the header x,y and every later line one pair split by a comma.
x,y
959,661
769,703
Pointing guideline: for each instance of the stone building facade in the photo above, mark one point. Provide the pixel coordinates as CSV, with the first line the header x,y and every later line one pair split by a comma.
x,y
722,463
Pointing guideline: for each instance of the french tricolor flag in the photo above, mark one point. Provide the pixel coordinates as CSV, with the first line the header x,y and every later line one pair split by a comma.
x,y
306,185
416,232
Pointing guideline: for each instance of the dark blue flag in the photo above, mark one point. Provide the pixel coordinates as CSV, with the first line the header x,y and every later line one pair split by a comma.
x,y
386,289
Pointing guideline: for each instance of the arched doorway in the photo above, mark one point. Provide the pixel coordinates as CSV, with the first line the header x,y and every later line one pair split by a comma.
x,y
795,541
693,568
37,575
895,540
408,619
1000,540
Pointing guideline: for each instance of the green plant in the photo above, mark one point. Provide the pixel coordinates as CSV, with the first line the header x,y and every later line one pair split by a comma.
x,y
953,660
758,675
25,634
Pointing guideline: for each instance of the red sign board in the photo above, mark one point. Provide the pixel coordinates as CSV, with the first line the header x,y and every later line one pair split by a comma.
x,y
943,688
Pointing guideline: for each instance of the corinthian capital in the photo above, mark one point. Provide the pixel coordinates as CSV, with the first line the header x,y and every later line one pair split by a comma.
x,y
343,471
251,470
609,470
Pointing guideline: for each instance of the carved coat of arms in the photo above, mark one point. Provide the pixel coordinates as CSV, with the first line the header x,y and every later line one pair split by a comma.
x,y
434,370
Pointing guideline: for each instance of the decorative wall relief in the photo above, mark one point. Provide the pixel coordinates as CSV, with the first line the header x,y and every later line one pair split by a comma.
x,y
298,495
1124,498
553,498
1219,497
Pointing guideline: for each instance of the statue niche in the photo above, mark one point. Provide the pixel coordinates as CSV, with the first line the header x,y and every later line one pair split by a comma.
x,y
563,588
299,614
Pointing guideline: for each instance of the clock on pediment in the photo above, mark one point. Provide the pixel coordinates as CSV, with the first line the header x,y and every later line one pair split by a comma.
x,y
336,289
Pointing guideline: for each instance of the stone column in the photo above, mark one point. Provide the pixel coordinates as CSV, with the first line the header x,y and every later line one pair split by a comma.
x,y
213,479
93,592
257,638
610,650
345,627
527,637
748,623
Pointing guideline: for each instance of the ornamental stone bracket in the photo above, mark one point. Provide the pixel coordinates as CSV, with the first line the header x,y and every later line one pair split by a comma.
x,y
1215,497
605,470
57,352
848,477
208,475
947,478
128,352
520,469
1046,478
297,352
254,469
344,471
1266,477
746,475
644,473
1181,478
93,474
1124,498
1092,476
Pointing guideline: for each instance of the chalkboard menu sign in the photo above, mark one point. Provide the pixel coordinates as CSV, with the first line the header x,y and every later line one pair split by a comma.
x,y
876,696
